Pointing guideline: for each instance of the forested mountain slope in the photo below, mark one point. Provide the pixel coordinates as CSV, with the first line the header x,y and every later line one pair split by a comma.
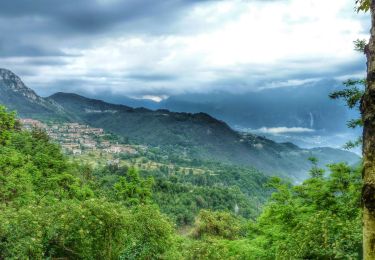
x,y
198,136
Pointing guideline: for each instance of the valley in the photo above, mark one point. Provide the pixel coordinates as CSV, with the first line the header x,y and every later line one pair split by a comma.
x,y
187,130
196,136
191,180
197,156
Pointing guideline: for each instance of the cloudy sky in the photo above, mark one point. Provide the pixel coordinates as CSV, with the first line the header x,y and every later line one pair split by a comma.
x,y
148,48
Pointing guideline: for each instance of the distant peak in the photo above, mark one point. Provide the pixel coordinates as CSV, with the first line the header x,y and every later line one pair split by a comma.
x,y
11,81
5,73
5,70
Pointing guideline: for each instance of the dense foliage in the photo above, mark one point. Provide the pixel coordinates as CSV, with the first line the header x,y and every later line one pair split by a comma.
x,y
49,207
319,219
182,195
53,208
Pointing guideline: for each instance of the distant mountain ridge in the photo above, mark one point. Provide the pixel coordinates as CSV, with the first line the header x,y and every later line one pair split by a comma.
x,y
307,106
197,135
303,114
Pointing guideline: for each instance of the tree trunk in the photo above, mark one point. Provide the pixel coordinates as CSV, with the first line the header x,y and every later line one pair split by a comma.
x,y
368,117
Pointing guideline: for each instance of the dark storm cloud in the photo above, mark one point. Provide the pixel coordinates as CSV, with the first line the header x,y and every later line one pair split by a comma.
x,y
88,16
39,31
44,27
37,34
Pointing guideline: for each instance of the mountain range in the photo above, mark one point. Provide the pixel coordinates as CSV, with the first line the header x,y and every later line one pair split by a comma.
x,y
305,106
195,135
302,113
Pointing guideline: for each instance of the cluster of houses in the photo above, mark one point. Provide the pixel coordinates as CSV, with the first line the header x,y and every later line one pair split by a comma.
x,y
29,123
76,138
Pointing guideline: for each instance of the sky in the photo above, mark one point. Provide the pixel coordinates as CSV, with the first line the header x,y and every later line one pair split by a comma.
x,y
155,49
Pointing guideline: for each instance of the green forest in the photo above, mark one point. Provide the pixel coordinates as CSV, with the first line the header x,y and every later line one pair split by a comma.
x,y
54,208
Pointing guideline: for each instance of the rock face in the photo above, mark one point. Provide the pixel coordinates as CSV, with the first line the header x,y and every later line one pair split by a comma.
x,y
14,83
15,95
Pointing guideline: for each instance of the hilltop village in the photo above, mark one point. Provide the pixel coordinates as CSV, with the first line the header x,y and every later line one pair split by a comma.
x,y
76,139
